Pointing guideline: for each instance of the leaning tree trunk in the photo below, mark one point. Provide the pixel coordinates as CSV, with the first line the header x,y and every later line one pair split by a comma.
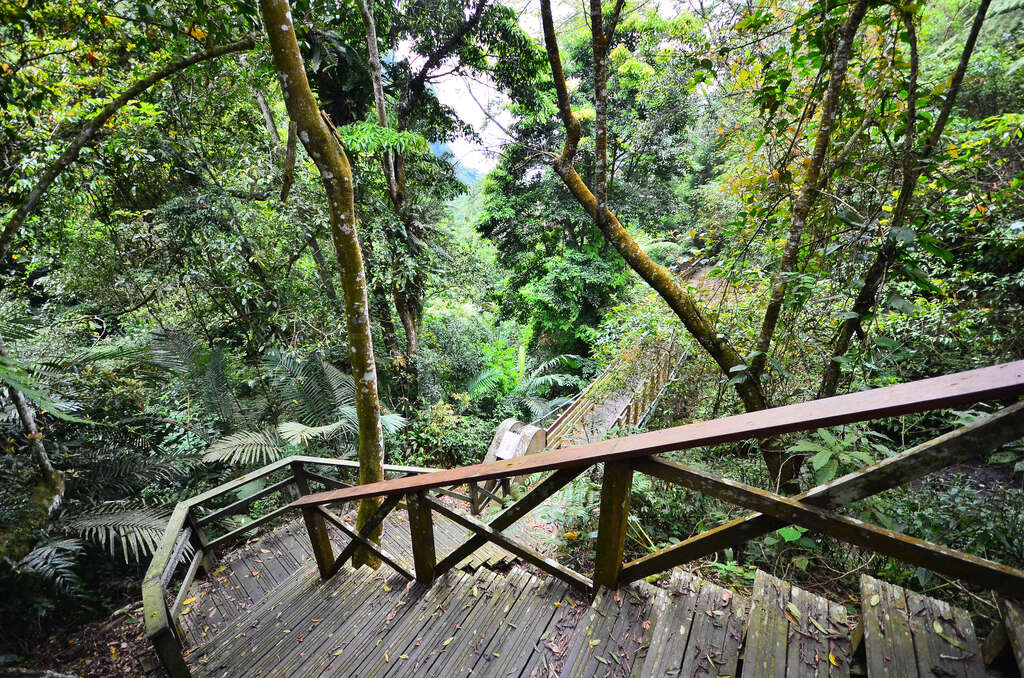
x,y
336,175
658,277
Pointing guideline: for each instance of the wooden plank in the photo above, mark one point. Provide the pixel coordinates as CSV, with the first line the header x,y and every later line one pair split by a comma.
x,y
999,381
1013,619
511,622
671,620
974,440
248,527
713,646
944,639
243,504
383,554
365,656
547,601
549,565
421,534
819,638
186,583
932,556
766,653
888,643
512,514
612,523
452,660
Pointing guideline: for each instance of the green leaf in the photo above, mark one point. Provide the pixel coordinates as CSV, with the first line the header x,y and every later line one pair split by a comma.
x,y
790,533
820,459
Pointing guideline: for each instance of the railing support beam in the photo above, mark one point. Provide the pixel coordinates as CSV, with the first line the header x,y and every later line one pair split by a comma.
x,y
421,530
320,539
612,522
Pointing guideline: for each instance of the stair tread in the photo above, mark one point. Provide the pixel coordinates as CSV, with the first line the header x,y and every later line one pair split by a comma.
x,y
792,632
907,634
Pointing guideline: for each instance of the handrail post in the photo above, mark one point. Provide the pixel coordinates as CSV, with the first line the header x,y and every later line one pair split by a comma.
x,y
209,561
171,653
612,523
421,531
323,552
299,473
474,498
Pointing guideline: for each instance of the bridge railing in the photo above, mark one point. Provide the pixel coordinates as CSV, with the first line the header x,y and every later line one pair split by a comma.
x,y
622,457
196,530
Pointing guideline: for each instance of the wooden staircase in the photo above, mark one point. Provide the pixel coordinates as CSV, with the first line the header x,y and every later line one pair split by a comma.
x,y
454,602
486,622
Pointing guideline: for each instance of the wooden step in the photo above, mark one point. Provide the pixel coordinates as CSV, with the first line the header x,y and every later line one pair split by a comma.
x,y
791,633
695,629
907,634
608,640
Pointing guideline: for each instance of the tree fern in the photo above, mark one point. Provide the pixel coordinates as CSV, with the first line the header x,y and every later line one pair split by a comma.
x,y
134,531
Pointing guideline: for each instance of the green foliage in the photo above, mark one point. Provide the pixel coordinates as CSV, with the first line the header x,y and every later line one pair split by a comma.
x,y
135,532
833,455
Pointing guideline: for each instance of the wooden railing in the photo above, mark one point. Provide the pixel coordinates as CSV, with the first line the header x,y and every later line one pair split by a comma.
x,y
624,456
188,542
647,393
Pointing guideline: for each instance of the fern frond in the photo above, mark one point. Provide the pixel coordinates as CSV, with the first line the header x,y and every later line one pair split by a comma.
x,y
54,563
135,531
299,434
484,382
247,448
564,361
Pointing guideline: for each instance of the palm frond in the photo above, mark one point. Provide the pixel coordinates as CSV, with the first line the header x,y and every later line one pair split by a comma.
x,y
342,385
54,563
15,323
299,434
392,422
246,448
303,386
16,376
124,471
135,531
216,389
175,349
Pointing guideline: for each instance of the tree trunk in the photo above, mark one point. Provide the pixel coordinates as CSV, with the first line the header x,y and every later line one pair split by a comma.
x,y
809,189
53,480
336,175
682,304
90,128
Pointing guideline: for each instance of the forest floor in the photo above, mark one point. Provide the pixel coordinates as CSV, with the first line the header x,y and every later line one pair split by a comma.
x,y
116,646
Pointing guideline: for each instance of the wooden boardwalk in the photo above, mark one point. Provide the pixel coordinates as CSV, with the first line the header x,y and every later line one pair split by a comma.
x,y
267,613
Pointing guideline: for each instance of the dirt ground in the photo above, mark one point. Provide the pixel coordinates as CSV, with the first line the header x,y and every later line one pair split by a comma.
x,y
113,648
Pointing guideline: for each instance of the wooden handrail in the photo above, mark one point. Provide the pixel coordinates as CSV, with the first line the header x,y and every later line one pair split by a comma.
x,y
988,383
